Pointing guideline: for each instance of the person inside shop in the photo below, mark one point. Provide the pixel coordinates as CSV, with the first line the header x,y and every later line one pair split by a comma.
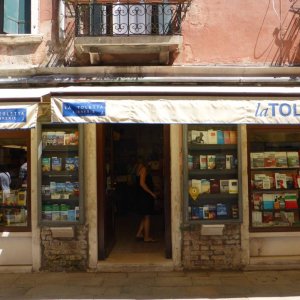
x,y
5,181
145,198
23,171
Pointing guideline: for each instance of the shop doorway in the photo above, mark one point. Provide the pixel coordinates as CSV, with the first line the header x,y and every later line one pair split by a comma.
x,y
118,147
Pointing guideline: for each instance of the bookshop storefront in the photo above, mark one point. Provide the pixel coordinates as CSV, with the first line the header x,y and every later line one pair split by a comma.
x,y
240,169
234,186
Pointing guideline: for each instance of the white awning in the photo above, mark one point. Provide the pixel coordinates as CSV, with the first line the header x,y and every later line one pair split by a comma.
x,y
175,109
18,115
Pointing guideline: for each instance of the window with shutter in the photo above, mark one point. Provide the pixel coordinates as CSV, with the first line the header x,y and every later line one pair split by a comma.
x,y
16,16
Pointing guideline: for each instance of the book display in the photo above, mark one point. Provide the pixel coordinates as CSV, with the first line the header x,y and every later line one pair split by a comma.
x,y
212,186
274,179
61,188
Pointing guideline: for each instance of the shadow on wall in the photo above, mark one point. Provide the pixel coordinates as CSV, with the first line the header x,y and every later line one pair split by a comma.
x,y
284,47
61,53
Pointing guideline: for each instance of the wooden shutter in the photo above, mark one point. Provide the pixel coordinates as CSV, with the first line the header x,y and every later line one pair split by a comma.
x,y
17,16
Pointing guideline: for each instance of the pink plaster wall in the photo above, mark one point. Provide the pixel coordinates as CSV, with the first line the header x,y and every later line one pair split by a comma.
x,y
240,32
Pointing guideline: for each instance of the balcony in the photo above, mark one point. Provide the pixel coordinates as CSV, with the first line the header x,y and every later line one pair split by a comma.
x,y
129,32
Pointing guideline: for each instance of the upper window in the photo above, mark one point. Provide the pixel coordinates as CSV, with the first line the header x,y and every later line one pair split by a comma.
x,y
15,16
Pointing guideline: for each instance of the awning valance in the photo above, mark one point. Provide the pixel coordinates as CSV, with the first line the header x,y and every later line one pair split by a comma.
x,y
180,110
18,115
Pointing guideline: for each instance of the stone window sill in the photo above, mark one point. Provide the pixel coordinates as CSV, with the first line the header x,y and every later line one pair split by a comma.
x,y
20,39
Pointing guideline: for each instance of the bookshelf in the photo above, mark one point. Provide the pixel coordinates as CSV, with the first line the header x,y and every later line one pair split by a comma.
x,y
211,174
61,187
274,180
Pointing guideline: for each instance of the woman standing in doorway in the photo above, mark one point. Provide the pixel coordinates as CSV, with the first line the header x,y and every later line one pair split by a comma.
x,y
145,201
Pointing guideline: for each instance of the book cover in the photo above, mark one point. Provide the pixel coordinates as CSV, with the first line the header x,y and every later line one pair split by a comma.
x,y
205,186
76,188
195,213
60,187
60,136
193,135
74,137
233,137
268,201
71,215
56,163
281,159
46,164
292,159
51,138
212,211
21,198
229,161
212,136
256,218
257,160
71,164
226,134
203,162
52,187
203,137
196,162
214,186
190,162
211,161
220,161
257,201
224,186
205,212
46,190
262,182
77,212
222,210
233,186
268,217
220,137
269,159
280,181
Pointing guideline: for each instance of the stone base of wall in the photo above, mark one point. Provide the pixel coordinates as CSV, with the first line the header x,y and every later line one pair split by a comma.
x,y
212,252
62,253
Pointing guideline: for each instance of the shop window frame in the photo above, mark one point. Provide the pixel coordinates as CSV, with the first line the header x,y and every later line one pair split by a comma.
x,y
26,135
271,128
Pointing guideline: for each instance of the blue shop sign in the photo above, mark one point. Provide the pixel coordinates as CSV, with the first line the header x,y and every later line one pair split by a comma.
x,y
83,109
14,115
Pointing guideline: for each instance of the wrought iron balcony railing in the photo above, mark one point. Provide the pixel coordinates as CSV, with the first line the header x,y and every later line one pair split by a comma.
x,y
129,18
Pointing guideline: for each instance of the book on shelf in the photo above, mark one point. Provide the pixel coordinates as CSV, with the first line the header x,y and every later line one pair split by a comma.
x,y
226,134
203,137
21,197
279,200
281,159
262,182
211,161
60,137
269,159
267,217
257,201
190,162
293,159
212,136
214,186
229,161
220,161
224,186
288,216
290,181
290,200
197,184
256,217
46,164
220,137
233,186
222,210
56,163
46,190
203,162
233,137
212,211
205,186
268,201
196,162
193,135
280,181
257,159
71,163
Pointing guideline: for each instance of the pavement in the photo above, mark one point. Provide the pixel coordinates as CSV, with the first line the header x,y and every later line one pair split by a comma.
x,y
152,285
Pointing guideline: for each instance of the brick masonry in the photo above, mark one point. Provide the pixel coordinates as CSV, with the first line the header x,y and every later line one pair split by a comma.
x,y
64,254
212,252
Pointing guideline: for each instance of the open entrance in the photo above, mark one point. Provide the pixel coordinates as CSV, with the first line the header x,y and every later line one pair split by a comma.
x,y
118,148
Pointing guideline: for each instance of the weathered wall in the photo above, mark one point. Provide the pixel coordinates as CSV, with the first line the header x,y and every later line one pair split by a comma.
x,y
212,252
63,253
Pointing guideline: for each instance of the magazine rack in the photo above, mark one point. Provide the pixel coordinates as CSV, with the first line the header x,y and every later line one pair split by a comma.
x,y
211,169
61,175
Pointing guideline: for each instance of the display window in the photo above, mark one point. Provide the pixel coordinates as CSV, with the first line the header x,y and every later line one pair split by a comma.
x,y
15,180
274,178
211,173
61,172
